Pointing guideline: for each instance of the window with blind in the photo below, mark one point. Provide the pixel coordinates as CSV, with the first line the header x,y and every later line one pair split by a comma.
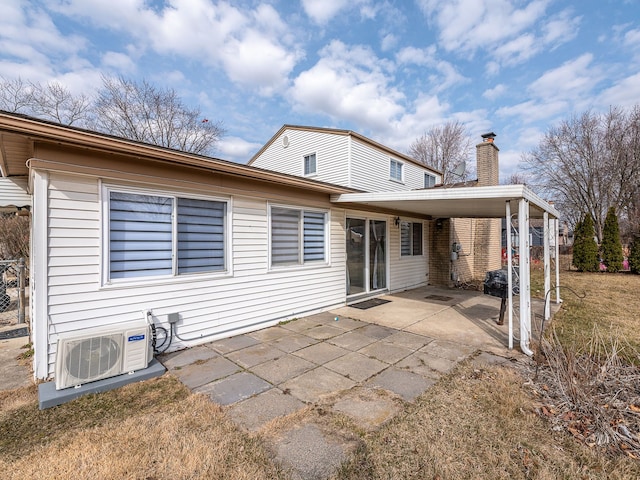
x,y
297,236
145,241
410,239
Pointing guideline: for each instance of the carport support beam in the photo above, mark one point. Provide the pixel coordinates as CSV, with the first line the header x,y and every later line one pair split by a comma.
x,y
547,264
556,232
525,265
509,271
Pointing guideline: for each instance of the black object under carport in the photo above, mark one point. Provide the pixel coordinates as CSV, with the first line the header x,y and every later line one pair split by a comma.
x,y
496,284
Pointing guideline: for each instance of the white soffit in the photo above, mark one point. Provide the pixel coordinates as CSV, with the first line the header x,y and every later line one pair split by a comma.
x,y
442,202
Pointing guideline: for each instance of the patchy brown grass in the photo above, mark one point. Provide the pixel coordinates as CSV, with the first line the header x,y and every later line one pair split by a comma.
x,y
478,424
611,304
152,430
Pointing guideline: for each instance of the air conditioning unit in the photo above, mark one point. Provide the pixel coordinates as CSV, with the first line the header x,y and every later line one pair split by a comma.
x,y
102,353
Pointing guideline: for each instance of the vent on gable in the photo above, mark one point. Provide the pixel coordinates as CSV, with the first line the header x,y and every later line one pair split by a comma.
x,y
285,141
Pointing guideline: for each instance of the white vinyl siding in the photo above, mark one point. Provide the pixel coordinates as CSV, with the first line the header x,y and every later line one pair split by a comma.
x,y
310,165
14,192
248,297
297,236
331,150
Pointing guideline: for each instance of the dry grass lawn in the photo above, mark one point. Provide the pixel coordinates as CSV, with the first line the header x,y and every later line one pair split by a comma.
x,y
150,430
480,423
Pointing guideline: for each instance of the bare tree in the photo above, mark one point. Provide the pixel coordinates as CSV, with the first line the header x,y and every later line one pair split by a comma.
x,y
143,112
16,95
517,178
589,163
138,111
55,102
444,148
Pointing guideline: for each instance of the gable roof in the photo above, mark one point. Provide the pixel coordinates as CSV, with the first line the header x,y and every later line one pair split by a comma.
x,y
338,131
18,133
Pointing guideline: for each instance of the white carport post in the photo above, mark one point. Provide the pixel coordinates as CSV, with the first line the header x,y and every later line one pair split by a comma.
x,y
525,265
547,264
556,232
509,271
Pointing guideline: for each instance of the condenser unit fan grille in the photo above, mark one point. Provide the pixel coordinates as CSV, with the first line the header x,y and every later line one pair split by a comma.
x,y
93,357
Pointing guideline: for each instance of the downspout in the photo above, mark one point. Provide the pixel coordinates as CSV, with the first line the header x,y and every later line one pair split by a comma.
x,y
525,289
349,161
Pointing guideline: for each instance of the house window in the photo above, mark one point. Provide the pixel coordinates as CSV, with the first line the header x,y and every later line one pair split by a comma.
x,y
158,235
429,180
395,170
310,167
297,236
410,239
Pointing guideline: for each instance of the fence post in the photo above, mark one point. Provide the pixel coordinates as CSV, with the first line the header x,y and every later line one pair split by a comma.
x,y
21,296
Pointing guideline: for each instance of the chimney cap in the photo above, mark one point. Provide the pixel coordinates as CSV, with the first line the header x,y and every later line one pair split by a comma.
x,y
488,136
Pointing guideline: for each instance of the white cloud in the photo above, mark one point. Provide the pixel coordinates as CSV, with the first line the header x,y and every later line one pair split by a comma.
x,y
417,56
511,35
118,62
625,93
349,84
471,24
236,149
561,28
495,92
321,11
252,46
572,79
389,41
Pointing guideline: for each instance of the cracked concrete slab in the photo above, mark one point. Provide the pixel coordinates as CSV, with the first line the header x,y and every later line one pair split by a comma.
x,y
407,385
309,453
205,371
282,369
235,388
259,410
315,384
356,366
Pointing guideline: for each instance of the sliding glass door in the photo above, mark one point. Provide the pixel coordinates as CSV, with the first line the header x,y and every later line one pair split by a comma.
x,y
366,255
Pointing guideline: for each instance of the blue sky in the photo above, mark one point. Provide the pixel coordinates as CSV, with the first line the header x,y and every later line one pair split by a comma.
x,y
386,69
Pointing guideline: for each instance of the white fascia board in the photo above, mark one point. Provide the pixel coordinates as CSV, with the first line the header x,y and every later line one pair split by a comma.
x,y
500,193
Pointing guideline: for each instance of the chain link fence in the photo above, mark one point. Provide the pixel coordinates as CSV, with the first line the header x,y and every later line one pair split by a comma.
x,y
13,279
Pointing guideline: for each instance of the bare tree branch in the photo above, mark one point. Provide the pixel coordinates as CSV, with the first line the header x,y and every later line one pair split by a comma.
x,y
142,112
589,163
443,148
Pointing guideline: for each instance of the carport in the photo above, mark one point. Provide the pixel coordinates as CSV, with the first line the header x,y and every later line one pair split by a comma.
x,y
516,203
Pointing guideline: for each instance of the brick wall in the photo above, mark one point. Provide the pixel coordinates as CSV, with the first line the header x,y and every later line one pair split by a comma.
x,y
479,238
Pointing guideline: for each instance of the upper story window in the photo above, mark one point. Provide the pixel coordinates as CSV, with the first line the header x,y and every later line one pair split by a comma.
x,y
310,166
410,238
395,170
297,236
429,180
152,235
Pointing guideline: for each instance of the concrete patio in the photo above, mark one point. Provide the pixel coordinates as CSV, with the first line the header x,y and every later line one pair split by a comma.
x,y
362,364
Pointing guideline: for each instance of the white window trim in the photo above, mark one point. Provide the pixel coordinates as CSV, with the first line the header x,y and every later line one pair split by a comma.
x,y
301,263
106,282
304,157
401,164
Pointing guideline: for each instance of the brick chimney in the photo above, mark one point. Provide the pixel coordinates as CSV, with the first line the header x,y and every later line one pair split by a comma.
x,y
487,255
487,161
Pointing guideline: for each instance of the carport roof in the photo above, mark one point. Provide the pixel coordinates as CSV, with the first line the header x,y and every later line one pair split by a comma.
x,y
465,202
